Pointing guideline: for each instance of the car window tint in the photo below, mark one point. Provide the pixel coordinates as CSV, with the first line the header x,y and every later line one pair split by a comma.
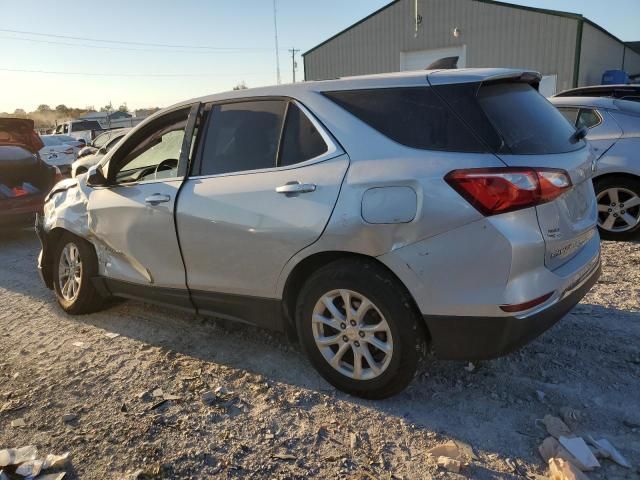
x,y
527,123
570,113
301,141
588,118
242,136
416,117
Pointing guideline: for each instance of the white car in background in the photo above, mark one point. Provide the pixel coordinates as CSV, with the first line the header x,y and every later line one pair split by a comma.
x,y
57,153
77,144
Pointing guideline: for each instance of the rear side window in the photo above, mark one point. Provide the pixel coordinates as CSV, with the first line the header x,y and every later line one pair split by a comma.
x,y
242,136
570,113
527,123
416,117
588,118
301,141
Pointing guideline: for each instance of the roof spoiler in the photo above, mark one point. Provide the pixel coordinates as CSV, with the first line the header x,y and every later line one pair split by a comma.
x,y
480,75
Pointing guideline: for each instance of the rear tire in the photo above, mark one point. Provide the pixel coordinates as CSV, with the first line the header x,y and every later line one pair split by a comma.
x,y
74,265
618,207
372,351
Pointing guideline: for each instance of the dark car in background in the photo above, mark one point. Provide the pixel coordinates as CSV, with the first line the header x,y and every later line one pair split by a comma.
x,y
24,178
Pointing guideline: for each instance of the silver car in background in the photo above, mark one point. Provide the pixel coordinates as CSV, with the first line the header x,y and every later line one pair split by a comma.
x,y
366,215
614,132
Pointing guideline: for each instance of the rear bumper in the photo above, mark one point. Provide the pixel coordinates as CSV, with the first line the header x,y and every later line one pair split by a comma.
x,y
482,338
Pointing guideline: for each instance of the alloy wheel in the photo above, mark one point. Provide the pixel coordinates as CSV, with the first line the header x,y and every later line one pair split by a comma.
x,y
352,334
70,272
618,209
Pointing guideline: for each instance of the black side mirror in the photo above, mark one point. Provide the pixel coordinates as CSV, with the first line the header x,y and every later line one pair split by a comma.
x,y
96,178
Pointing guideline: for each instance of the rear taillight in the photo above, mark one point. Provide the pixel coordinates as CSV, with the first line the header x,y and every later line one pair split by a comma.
x,y
69,151
498,190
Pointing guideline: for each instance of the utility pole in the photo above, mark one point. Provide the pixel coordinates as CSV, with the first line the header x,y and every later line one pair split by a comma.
x,y
293,62
275,26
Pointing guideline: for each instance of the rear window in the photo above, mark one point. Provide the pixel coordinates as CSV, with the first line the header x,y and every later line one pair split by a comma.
x,y
84,125
416,117
525,120
301,141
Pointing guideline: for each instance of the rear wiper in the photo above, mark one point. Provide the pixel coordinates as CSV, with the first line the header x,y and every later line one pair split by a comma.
x,y
579,134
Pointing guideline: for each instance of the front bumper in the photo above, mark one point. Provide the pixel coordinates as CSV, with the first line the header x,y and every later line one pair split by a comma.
x,y
44,266
483,338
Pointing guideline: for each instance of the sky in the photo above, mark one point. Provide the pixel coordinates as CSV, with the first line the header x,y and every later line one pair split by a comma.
x,y
235,40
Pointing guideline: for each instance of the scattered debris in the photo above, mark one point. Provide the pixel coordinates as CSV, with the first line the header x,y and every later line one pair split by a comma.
x,y
55,461
562,470
353,440
470,367
448,449
16,456
111,335
556,427
580,451
51,476
69,417
173,398
18,422
209,397
123,408
605,446
157,393
78,344
449,464
30,468
541,395
283,456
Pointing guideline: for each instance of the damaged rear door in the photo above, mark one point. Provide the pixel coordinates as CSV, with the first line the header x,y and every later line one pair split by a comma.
x,y
132,218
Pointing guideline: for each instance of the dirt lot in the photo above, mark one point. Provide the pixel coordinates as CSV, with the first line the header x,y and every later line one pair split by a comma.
x,y
274,417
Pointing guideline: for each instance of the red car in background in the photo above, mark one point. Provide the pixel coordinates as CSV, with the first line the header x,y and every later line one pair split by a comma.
x,y
24,178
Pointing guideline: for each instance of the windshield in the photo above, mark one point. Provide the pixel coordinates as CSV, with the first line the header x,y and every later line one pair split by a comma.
x,y
50,141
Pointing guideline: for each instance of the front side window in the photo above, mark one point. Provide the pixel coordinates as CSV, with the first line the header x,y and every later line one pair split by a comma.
x,y
588,118
154,152
242,136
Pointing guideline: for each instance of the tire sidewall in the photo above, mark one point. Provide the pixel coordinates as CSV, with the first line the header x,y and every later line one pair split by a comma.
x,y
89,267
618,182
394,306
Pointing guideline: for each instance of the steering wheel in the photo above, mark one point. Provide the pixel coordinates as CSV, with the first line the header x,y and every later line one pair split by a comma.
x,y
164,165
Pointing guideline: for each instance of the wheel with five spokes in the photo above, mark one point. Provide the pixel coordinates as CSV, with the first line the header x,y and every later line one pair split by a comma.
x,y
359,328
75,264
618,207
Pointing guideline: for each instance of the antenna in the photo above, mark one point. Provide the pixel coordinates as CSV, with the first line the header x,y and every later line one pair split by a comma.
x,y
275,26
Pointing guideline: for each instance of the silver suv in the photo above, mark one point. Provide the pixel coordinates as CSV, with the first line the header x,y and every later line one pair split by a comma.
x,y
613,127
366,215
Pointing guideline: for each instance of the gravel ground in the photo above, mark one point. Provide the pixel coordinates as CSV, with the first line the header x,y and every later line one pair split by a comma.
x,y
272,416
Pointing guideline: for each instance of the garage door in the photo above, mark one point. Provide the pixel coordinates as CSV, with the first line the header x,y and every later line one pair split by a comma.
x,y
421,59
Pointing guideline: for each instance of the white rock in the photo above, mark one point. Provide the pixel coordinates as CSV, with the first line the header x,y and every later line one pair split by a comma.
x,y
605,445
580,450
30,468
15,456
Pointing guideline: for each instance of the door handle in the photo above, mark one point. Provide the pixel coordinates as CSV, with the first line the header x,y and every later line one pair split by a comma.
x,y
157,198
294,188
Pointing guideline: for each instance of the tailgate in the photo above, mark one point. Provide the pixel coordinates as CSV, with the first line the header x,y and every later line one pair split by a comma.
x,y
568,222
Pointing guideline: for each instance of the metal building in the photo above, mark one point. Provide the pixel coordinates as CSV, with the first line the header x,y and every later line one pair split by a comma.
x,y
567,48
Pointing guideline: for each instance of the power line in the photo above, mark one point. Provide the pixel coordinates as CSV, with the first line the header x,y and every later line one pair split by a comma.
x,y
141,75
121,42
113,47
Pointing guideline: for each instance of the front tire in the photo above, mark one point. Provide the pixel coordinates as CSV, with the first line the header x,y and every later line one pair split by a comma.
x,y
618,207
359,328
75,264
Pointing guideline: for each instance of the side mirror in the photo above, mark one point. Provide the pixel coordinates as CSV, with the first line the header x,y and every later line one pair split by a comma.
x,y
96,178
